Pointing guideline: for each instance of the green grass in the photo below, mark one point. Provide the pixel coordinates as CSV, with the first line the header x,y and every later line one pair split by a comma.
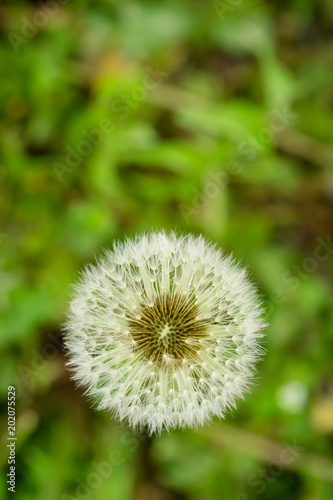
x,y
201,120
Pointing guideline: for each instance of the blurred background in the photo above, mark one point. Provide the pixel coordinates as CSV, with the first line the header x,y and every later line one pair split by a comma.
x,y
204,117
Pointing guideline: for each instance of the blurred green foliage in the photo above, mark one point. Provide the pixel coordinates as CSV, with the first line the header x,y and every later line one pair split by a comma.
x,y
204,117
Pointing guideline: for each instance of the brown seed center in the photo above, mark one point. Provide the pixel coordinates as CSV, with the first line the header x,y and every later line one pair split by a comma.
x,y
168,329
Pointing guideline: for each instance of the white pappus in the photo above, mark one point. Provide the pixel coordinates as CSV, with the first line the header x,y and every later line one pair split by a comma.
x,y
164,331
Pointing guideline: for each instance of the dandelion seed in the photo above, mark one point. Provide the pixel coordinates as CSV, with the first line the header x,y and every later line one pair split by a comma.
x,y
172,351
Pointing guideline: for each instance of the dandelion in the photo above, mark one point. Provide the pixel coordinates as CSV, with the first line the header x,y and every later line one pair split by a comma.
x,y
163,332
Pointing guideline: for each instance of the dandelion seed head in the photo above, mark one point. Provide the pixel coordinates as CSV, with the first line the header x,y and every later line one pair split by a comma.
x,y
164,331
